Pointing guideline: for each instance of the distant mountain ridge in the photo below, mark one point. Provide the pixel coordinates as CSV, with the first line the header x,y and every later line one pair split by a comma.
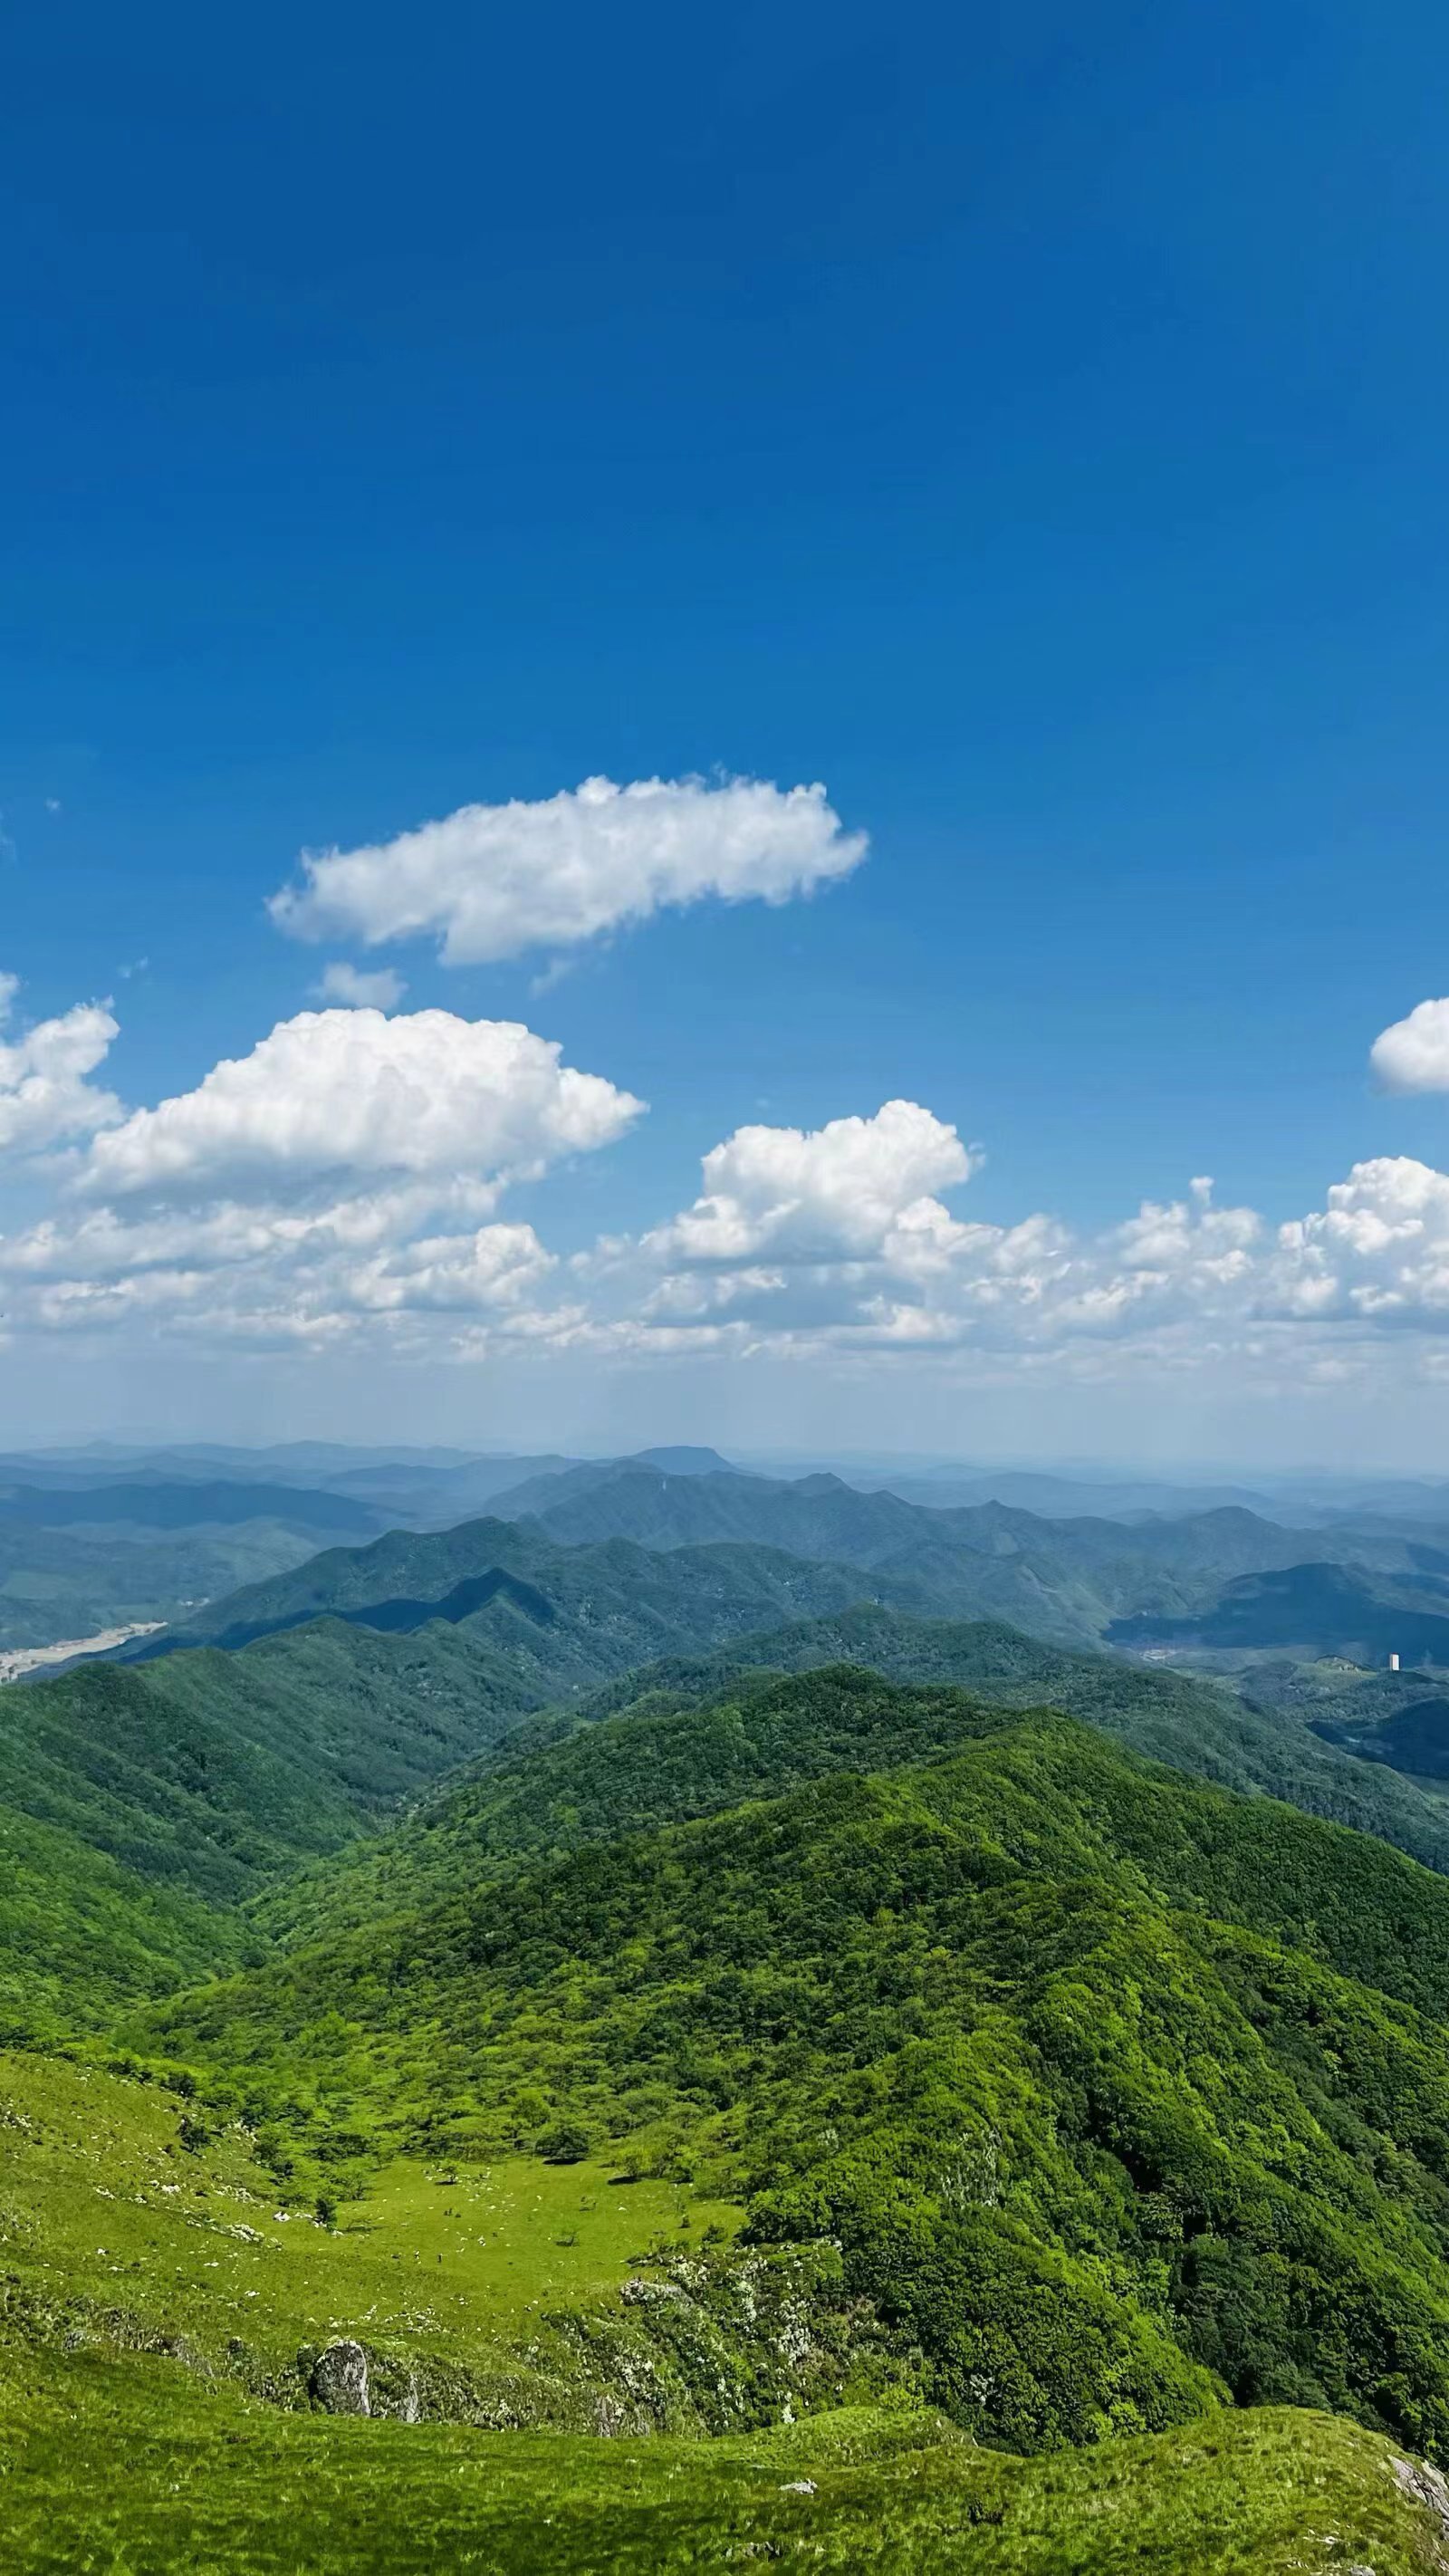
x,y
1069,1580
152,1503
1065,1498
619,1592
1323,1609
1072,1582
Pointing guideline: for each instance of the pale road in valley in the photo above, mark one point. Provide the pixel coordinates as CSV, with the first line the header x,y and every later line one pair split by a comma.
x,y
16,1661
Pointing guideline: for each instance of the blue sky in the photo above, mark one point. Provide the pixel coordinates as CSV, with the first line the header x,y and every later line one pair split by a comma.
x,y
1027,422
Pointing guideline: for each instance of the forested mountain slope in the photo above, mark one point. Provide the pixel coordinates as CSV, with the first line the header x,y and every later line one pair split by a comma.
x,y
210,1774
1194,1725
1103,2079
683,1739
214,1771
198,1777
1054,2090
558,1784
139,1807
82,1934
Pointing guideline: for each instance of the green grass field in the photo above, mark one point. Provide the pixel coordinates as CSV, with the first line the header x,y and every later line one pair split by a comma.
x,y
103,2209
170,2483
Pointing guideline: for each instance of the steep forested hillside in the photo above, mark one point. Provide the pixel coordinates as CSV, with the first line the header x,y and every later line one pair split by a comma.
x,y
215,1771
198,1777
1018,2078
139,1807
212,1774
82,1934
1273,1742
683,1739
1102,2079
557,1784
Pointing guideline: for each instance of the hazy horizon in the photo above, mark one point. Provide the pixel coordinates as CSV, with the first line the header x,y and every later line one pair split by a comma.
x,y
783,1462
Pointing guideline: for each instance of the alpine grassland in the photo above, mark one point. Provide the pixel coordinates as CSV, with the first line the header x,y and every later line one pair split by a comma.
x,y
176,2483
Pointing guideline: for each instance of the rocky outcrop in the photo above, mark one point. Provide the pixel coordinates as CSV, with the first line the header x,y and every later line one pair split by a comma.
x,y
1428,2488
338,2381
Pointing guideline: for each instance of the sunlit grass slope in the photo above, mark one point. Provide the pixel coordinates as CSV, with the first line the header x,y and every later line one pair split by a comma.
x,y
175,2484
127,2222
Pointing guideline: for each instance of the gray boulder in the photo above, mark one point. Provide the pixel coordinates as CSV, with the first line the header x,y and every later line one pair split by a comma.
x,y
338,2381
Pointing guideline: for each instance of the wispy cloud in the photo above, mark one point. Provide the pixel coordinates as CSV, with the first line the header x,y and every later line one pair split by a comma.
x,y
357,989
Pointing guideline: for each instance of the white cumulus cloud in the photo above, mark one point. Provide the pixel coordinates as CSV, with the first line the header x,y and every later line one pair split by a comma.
x,y
836,1191
45,1095
1183,1285
1378,1251
329,1184
837,1239
498,1266
333,1100
491,881
1413,1055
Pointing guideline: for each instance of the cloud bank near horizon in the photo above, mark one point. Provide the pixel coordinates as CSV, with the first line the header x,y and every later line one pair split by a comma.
x,y
342,1184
